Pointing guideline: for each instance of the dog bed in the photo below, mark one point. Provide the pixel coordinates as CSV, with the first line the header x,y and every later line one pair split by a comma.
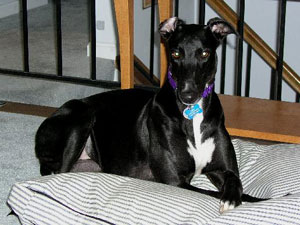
x,y
97,198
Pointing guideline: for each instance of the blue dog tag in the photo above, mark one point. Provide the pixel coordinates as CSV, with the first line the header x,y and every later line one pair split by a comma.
x,y
190,112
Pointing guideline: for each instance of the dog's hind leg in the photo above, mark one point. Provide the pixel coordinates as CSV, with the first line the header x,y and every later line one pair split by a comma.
x,y
61,138
78,144
88,158
49,144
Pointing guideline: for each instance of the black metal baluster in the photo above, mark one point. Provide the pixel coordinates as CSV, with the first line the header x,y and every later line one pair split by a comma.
x,y
202,12
152,38
248,70
298,97
272,85
58,37
239,50
223,66
279,64
93,38
176,8
25,36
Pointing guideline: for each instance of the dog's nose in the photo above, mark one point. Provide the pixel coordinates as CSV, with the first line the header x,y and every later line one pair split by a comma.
x,y
187,97
188,93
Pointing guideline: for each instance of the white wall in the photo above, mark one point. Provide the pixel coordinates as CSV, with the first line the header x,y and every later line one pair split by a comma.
x,y
142,35
292,49
106,31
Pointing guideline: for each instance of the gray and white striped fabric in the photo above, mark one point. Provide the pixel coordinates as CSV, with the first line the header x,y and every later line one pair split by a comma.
x,y
95,198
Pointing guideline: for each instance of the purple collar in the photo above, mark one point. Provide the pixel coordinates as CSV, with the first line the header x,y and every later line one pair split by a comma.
x,y
172,82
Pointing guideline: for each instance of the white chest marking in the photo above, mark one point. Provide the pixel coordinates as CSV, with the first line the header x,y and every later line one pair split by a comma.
x,y
201,152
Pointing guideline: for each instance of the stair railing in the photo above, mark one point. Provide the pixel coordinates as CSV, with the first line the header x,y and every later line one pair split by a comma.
x,y
255,41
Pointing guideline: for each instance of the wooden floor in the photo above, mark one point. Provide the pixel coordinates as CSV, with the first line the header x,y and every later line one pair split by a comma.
x,y
245,117
26,109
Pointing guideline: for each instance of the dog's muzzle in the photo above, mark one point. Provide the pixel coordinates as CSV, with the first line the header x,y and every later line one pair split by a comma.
x,y
187,96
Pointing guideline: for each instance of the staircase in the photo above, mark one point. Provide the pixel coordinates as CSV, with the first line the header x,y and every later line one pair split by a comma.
x,y
246,117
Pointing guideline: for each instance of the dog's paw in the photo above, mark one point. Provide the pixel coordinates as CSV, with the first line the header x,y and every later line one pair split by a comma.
x,y
229,201
232,193
226,205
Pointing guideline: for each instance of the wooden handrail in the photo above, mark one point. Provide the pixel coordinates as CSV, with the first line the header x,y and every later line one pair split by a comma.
x,y
253,39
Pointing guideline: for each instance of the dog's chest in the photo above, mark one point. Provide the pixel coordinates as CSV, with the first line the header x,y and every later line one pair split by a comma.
x,y
202,151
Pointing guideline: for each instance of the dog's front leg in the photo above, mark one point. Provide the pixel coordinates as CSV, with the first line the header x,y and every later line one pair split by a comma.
x,y
163,169
230,187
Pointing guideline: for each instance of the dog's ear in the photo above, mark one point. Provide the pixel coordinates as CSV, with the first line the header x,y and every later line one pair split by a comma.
x,y
220,28
167,27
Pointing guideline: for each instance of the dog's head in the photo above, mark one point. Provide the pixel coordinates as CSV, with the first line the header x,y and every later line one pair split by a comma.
x,y
192,54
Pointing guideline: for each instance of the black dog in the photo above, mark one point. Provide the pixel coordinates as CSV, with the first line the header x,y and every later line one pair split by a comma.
x,y
166,137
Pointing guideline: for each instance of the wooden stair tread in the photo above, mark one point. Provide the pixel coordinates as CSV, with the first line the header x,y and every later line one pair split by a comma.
x,y
262,119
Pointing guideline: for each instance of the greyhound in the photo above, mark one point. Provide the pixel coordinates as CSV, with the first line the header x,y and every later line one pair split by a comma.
x,y
166,136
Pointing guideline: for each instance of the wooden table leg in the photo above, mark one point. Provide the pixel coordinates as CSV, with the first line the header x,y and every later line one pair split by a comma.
x,y
124,17
165,12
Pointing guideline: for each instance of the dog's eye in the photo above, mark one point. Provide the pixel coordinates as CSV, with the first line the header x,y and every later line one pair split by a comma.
x,y
205,54
176,55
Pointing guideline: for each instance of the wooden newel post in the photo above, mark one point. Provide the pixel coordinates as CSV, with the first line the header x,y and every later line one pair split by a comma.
x,y
124,17
165,12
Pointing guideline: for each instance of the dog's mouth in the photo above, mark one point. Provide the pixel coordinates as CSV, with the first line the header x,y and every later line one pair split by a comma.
x,y
191,97
188,99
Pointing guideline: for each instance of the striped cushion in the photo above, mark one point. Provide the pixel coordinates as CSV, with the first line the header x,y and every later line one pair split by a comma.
x,y
95,198
266,171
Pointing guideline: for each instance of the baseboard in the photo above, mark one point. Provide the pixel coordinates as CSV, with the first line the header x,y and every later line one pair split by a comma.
x,y
104,50
27,109
12,8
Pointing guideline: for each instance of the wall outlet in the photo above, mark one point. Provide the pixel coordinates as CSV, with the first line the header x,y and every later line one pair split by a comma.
x,y
100,24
